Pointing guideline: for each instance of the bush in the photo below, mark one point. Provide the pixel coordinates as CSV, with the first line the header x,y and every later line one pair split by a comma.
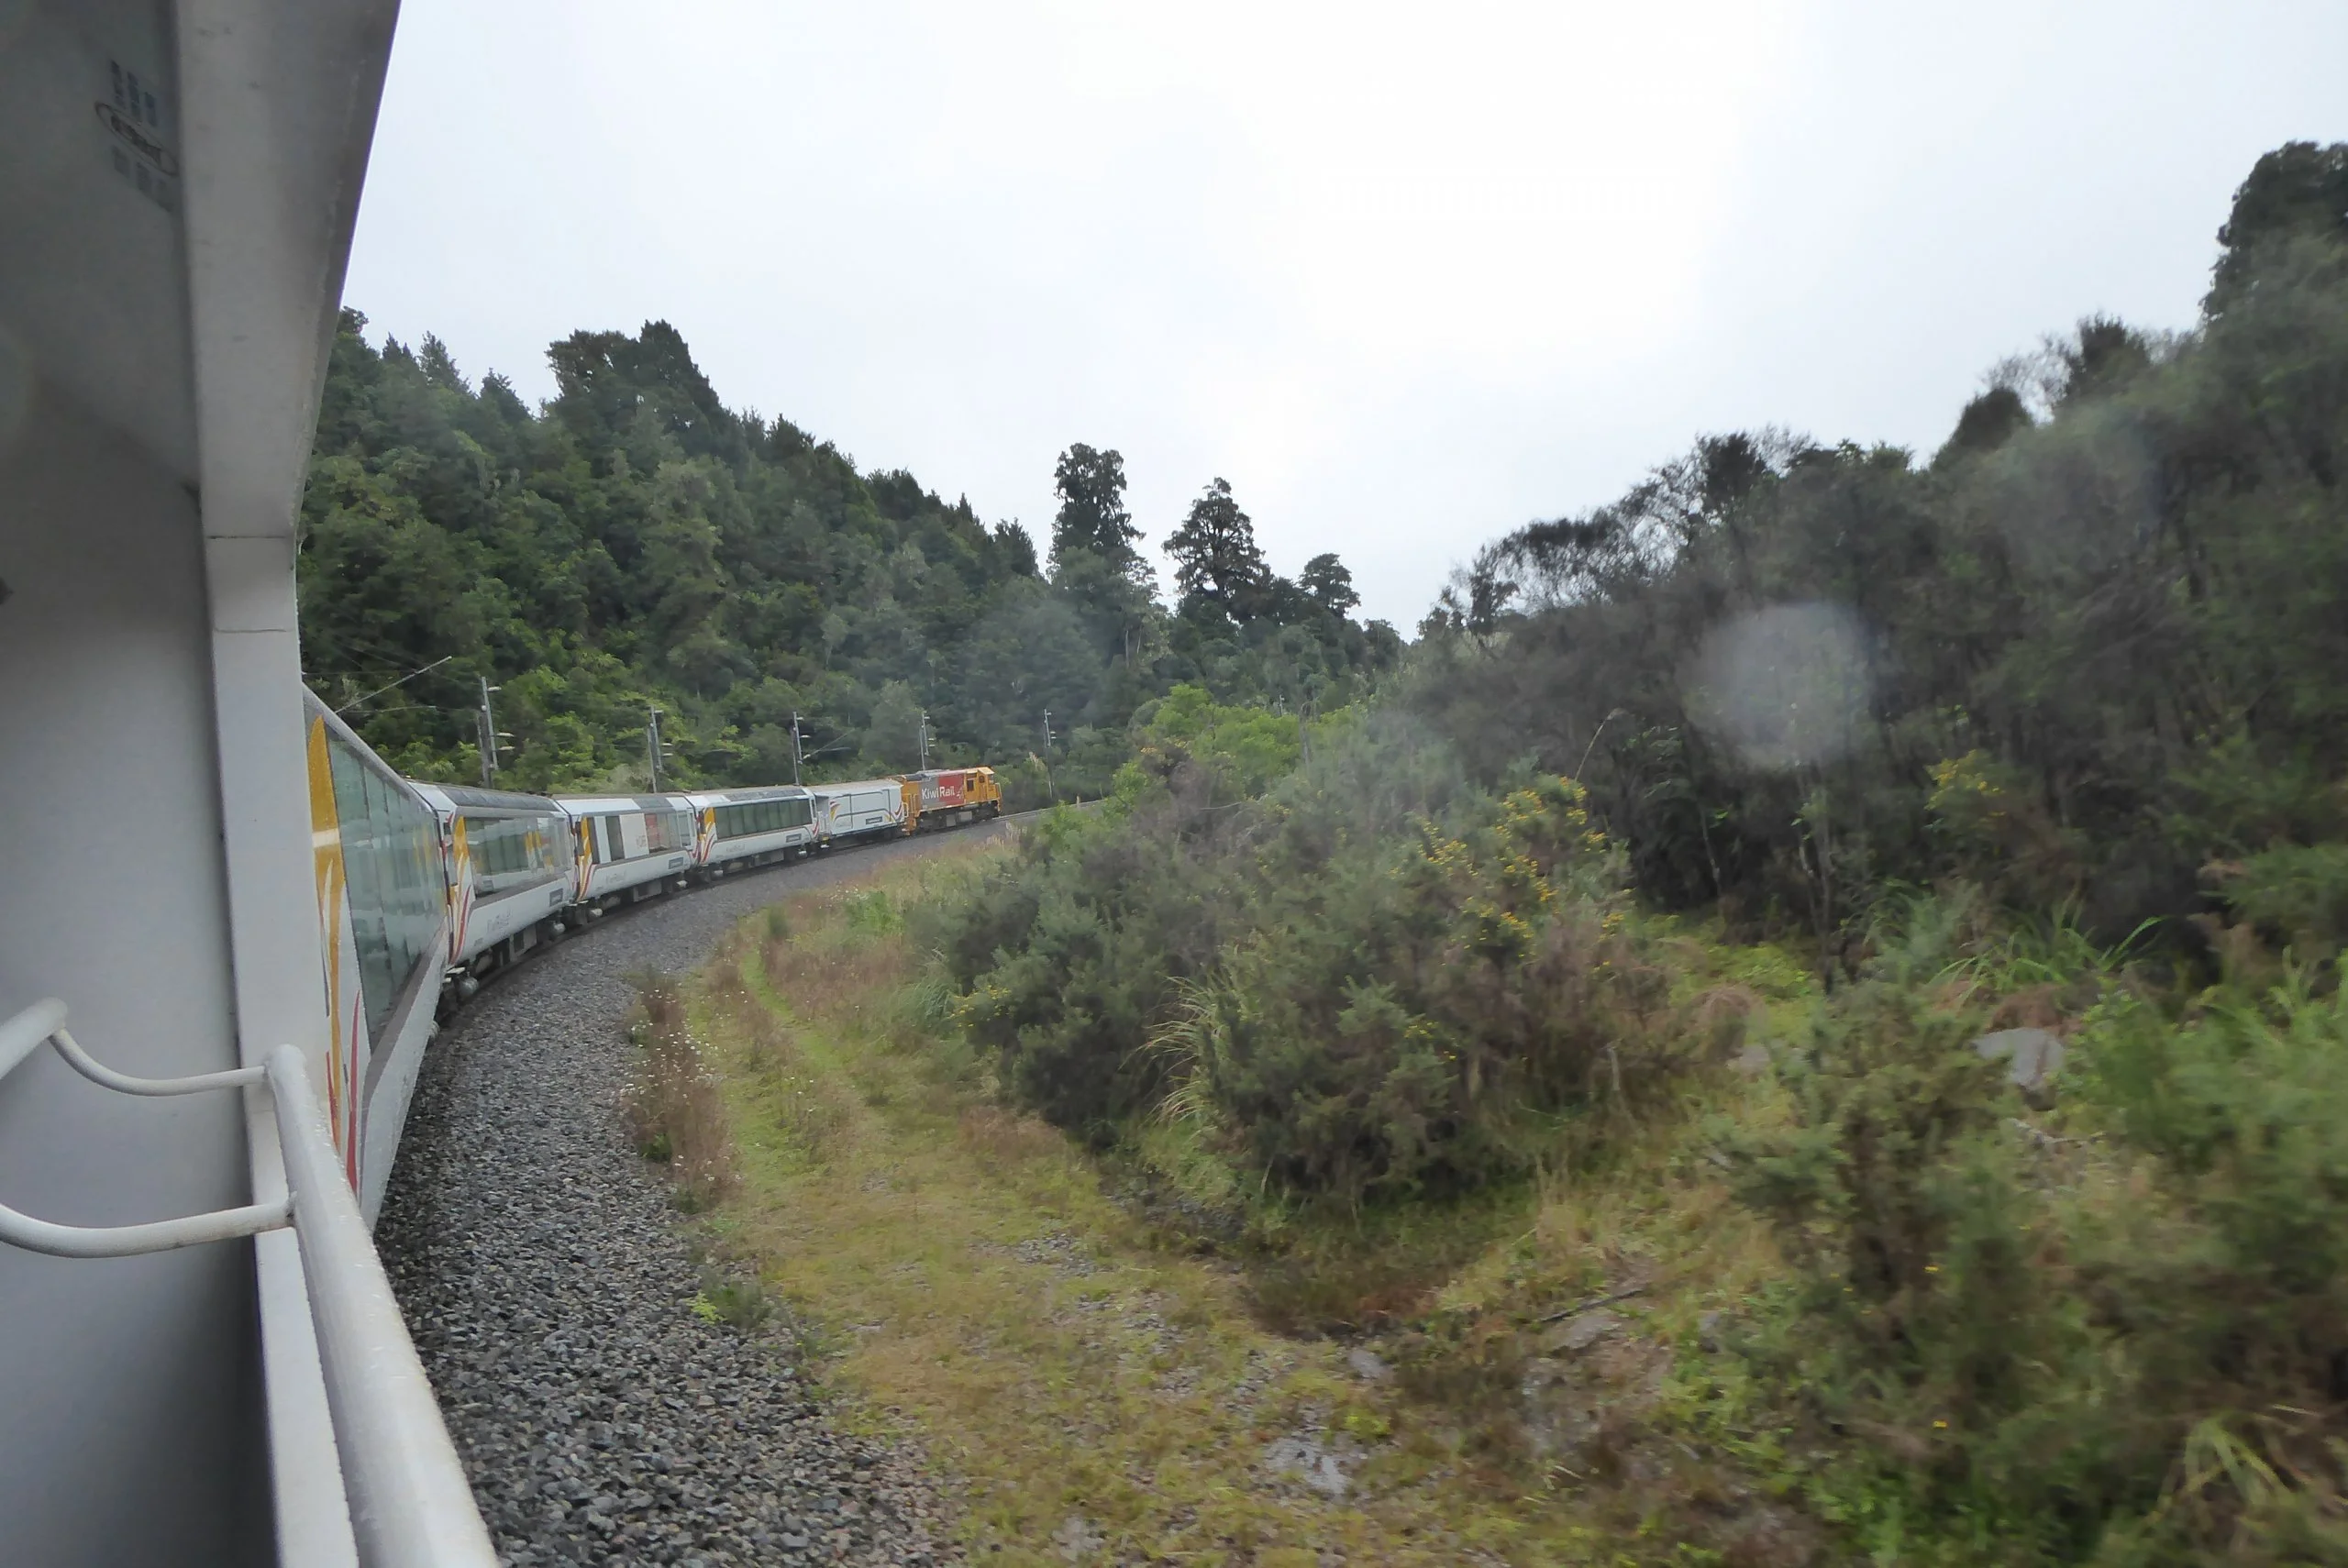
x,y
1370,979
2127,1342
1405,1028
2295,894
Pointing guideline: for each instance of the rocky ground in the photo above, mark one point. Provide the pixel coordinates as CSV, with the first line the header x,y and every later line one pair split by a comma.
x,y
549,1288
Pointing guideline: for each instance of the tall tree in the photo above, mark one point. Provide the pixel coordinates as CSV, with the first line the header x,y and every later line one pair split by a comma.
x,y
1215,552
2297,189
1328,583
1092,516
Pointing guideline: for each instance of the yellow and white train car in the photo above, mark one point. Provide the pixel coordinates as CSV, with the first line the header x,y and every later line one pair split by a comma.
x,y
742,828
508,862
383,910
626,847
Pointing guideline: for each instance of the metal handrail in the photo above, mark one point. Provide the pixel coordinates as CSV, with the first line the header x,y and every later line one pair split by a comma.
x,y
45,1022
411,1506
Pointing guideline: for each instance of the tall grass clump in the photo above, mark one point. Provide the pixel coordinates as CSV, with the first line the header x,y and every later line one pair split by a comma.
x,y
672,1101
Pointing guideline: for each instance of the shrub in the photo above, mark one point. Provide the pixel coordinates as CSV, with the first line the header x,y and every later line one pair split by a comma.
x,y
1370,979
1066,956
1404,1029
2125,1346
2295,894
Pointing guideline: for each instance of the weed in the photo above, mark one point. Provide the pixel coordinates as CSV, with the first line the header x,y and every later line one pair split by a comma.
x,y
870,911
672,1101
738,1301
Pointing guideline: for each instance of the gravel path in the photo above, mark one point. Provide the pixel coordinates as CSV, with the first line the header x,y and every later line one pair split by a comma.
x,y
544,1276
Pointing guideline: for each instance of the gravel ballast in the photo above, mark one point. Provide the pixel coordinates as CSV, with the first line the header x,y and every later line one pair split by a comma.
x,y
543,1273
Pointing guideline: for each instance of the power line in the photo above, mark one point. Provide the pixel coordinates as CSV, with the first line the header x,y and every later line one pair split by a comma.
x,y
403,680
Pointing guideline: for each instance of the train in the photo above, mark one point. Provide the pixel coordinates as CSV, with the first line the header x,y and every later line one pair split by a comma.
x,y
522,869
509,871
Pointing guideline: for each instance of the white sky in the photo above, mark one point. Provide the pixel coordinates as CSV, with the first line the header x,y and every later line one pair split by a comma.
x,y
1407,276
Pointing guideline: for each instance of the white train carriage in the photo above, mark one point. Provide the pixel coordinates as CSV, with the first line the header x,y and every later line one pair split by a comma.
x,y
867,808
741,828
626,847
510,876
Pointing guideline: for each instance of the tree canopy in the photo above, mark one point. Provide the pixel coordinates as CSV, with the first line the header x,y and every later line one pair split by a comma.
x,y
1215,555
636,542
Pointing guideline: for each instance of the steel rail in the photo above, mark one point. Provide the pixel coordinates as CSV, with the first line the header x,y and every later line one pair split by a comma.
x,y
411,1506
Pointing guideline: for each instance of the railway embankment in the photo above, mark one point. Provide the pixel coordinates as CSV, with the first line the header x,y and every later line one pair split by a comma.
x,y
552,1290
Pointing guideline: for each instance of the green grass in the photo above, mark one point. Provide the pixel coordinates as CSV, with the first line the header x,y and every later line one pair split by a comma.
x,y
989,1287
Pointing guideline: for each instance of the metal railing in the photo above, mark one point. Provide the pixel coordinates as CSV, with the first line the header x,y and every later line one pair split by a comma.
x,y
410,1504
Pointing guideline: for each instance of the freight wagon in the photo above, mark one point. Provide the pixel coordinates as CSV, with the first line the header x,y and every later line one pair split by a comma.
x,y
868,808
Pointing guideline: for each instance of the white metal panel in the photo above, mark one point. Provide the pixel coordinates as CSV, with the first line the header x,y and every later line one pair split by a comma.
x,y
748,845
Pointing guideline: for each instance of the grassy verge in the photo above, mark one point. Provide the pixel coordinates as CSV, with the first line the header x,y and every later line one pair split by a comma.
x,y
1440,1386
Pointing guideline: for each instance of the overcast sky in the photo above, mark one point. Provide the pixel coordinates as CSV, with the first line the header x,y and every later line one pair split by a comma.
x,y
1406,276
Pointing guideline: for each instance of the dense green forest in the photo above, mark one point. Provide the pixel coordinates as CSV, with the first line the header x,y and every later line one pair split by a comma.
x,y
2090,652
635,543
1884,911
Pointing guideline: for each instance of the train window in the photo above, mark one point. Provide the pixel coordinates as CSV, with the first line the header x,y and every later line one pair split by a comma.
x,y
391,871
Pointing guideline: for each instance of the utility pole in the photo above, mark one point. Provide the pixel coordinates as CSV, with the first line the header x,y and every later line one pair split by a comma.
x,y
924,742
652,747
1047,758
795,748
488,735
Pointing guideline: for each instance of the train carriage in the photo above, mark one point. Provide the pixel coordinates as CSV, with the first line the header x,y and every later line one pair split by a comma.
x,y
737,829
865,808
382,901
510,874
626,847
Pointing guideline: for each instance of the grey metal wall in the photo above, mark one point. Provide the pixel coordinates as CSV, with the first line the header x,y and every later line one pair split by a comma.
x,y
132,1432
130,1411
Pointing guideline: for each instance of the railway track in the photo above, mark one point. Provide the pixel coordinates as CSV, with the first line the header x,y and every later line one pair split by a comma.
x,y
550,1289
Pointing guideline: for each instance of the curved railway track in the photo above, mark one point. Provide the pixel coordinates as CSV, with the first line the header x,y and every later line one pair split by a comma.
x,y
548,1287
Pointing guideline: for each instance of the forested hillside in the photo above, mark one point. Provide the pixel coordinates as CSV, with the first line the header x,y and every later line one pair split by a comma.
x,y
635,543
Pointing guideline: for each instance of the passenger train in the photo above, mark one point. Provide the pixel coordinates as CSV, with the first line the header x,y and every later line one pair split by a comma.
x,y
442,885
